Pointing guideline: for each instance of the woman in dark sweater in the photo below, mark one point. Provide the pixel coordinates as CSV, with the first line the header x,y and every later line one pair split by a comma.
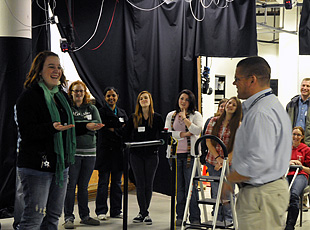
x,y
87,121
47,146
109,161
144,125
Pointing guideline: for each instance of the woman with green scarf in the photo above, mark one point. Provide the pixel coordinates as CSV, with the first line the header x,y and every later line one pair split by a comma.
x,y
47,146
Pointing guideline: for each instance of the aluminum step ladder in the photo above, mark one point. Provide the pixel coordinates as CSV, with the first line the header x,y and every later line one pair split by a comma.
x,y
209,201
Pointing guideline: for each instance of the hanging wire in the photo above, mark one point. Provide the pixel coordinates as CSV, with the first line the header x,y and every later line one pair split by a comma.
x,y
199,20
204,6
215,2
47,22
95,31
116,2
139,8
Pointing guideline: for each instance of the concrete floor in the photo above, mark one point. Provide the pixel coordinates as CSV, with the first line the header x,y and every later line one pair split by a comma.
x,y
159,212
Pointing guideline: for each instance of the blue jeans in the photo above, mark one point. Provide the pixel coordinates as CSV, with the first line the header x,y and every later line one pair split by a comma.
x,y
183,180
224,210
297,188
79,174
115,193
144,169
19,201
43,198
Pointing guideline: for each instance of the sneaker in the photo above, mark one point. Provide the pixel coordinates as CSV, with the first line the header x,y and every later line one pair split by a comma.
x,y
90,221
178,222
68,224
102,217
138,219
120,216
147,220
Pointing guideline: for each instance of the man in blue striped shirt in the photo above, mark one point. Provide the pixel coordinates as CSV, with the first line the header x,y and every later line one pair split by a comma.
x,y
262,150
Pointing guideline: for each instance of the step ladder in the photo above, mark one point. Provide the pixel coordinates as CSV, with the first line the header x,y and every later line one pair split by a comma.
x,y
209,201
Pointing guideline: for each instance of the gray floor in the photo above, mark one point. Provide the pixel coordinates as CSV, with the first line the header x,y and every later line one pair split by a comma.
x,y
159,212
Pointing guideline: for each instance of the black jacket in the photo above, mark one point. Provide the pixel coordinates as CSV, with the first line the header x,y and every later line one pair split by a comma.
x,y
109,155
145,133
37,130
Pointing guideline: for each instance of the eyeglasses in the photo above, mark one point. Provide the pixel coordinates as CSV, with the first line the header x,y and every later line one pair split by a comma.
x,y
78,91
297,134
239,78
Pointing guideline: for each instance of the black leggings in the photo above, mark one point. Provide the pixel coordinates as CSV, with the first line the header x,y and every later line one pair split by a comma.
x,y
144,168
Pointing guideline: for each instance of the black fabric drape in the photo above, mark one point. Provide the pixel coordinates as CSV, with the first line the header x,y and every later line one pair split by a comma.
x,y
228,32
304,29
15,61
14,66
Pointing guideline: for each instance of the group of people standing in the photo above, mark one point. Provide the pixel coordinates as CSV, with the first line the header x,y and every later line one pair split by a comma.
x,y
58,143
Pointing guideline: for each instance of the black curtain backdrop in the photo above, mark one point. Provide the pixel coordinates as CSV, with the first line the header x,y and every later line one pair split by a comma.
x,y
304,29
153,50
15,61
14,66
228,32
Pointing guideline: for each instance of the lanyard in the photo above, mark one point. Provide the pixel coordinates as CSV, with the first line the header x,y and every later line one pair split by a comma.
x,y
259,98
114,111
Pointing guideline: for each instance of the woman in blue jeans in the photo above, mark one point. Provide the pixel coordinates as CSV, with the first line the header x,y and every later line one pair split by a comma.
x,y
47,146
185,123
300,156
144,125
87,122
224,127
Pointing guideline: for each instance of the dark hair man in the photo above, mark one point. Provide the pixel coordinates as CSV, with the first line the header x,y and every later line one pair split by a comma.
x,y
262,150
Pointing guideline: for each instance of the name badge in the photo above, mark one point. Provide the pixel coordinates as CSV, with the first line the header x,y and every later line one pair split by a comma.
x,y
88,117
141,129
121,119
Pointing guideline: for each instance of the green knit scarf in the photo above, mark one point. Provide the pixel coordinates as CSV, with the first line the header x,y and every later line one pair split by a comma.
x,y
58,142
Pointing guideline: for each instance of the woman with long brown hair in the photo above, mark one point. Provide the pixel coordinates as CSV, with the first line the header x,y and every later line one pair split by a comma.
x,y
144,125
224,127
185,123
47,146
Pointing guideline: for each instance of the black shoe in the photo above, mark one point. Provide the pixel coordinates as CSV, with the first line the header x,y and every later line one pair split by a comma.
x,y
69,224
147,220
90,221
138,219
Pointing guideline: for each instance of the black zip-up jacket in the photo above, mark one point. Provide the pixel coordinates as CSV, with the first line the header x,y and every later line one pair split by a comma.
x,y
37,130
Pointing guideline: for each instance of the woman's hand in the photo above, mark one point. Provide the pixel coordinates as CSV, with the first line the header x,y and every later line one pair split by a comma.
x,y
182,114
185,134
295,162
94,126
58,126
219,164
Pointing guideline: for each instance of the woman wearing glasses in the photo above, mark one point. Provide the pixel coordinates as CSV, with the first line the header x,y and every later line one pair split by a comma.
x,y
109,162
300,156
87,120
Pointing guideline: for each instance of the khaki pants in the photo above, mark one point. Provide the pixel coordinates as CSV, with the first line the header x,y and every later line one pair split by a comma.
x,y
263,207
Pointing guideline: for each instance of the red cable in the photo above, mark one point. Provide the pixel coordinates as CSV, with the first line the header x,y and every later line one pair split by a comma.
x,y
109,27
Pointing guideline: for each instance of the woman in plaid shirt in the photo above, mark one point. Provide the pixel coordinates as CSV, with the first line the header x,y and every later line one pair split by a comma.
x,y
224,127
